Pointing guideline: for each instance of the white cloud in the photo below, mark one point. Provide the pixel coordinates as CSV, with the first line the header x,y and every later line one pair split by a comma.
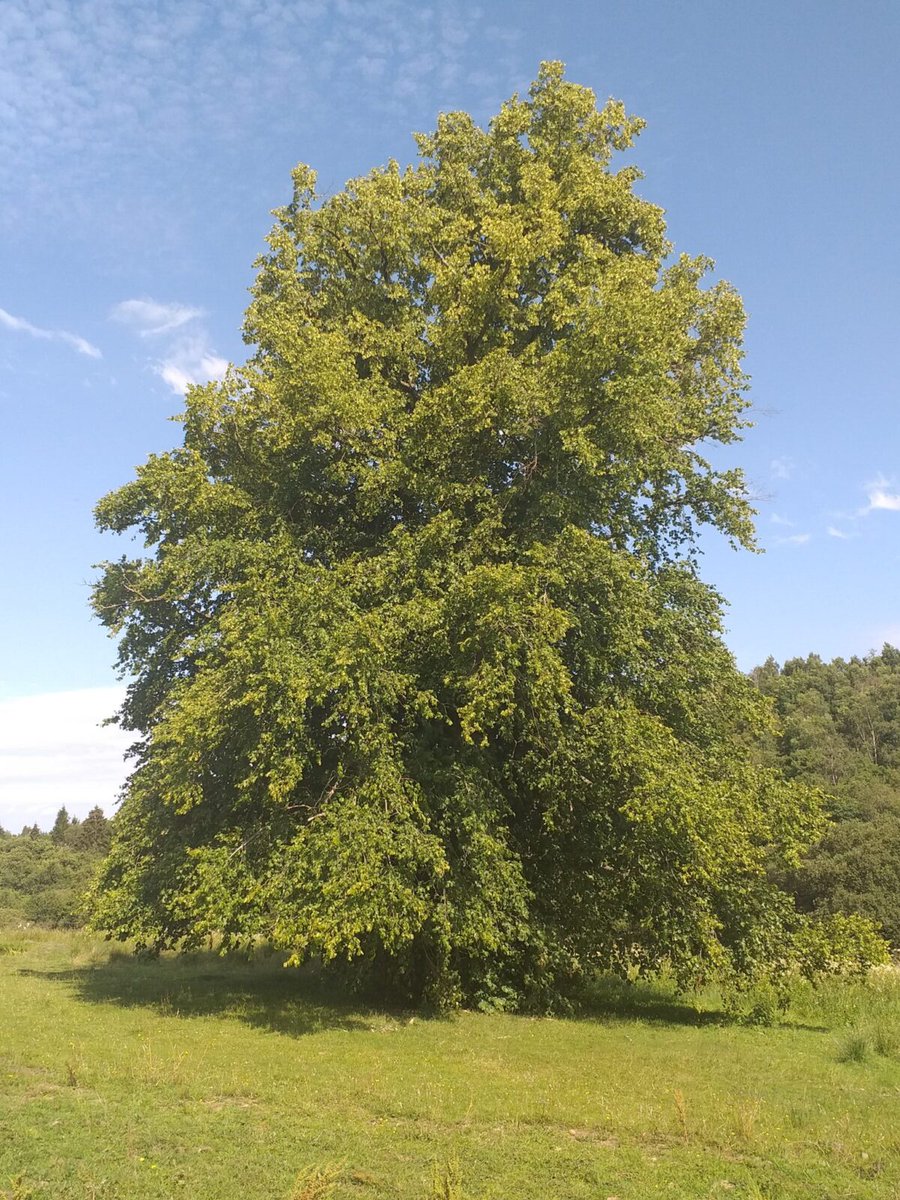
x,y
54,752
794,539
881,498
776,520
150,318
20,325
190,361
838,533
782,468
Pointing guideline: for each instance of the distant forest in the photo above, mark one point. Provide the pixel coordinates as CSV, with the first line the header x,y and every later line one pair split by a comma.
x,y
839,730
43,876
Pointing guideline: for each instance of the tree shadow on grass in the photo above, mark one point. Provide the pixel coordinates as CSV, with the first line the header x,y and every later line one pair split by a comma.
x,y
611,998
263,994
296,1002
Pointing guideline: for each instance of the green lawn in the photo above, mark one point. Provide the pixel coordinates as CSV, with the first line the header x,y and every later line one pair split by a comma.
x,y
211,1079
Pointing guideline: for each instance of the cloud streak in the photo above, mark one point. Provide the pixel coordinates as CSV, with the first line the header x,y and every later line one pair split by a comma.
x,y
150,318
794,539
20,325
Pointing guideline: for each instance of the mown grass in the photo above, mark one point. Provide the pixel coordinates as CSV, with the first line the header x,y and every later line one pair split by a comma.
x,y
213,1079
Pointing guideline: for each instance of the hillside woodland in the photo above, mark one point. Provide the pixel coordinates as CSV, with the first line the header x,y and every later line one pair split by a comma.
x,y
840,732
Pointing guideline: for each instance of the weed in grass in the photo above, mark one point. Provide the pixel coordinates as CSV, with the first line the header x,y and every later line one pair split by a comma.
x,y
315,1184
167,1006
681,1113
869,1168
764,1011
18,1190
745,1117
763,1004
798,1117
445,1182
849,1003
156,1067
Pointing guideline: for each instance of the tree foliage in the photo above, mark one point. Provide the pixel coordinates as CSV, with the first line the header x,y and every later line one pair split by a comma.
x,y
424,673
61,826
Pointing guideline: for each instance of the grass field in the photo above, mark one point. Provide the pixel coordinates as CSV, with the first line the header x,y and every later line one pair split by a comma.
x,y
211,1079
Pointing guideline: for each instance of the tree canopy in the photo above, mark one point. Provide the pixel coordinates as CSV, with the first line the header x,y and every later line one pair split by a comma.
x,y
424,673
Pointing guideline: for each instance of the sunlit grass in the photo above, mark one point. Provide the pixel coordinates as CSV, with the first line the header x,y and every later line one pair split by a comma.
x,y
214,1079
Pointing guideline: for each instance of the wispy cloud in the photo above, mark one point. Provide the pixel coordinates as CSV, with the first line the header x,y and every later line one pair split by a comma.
x,y
187,357
150,318
834,532
777,520
20,325
190,361
782,468
794,539
54,751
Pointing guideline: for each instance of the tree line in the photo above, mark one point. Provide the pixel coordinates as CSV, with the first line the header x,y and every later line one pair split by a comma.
x,y
839,731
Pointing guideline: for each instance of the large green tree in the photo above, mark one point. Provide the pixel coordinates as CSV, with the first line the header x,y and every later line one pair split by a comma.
x,y
424,673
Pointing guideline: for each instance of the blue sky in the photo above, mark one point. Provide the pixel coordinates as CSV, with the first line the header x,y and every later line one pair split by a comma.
x,y
143,146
